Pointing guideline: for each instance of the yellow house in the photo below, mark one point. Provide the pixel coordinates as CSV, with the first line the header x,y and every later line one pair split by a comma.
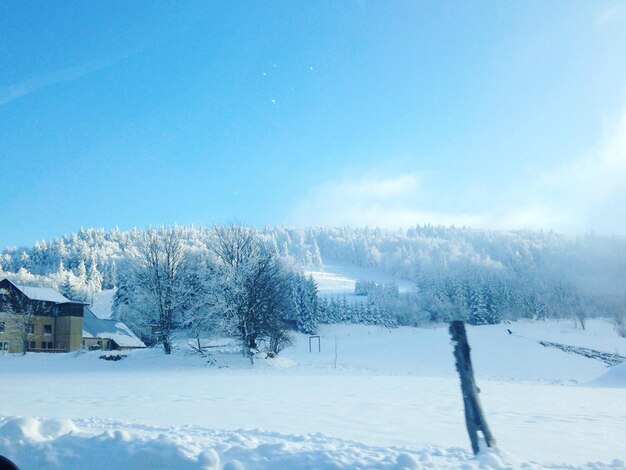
x,y
40,319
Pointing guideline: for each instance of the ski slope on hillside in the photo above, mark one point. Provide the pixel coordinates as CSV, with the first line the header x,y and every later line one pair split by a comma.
x,y
387,399
338,279
333,279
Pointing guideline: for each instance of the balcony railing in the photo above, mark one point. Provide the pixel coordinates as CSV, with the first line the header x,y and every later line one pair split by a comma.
x,y
48,350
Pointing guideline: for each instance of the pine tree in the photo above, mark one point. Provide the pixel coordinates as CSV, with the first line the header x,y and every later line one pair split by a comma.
x,y
311,295
82,271
316,255
345,312
358,315
66,288
306,309
477,306
109,276
493,312
94,280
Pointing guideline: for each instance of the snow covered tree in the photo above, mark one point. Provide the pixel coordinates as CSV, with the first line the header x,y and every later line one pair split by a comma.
x,y
202,313
524,271
109,276
157,267
67,289
253,286
364,287
479,315
94,279
82,271
305,313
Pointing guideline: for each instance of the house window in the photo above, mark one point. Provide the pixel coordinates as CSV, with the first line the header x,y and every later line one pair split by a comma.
x,y
31,345
4,346
50,345
1,326
43,345
30,328
47,329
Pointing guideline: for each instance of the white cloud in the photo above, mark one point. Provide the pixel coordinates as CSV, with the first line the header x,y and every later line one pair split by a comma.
x,y
12,92
382,201
611,14
588,193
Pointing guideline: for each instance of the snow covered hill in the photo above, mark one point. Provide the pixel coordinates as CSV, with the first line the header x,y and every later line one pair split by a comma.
x,y
386,399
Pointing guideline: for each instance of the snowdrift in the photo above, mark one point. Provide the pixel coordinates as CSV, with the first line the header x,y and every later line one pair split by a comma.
x,y
615,377
64,445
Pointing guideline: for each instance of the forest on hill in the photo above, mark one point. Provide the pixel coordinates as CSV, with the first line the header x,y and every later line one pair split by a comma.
x,y
478,275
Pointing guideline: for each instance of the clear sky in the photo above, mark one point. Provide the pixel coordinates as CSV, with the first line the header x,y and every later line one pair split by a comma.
x,y
490,114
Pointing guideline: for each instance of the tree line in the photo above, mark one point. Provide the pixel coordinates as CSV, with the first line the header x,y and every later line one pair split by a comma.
x,y
480,275
235,286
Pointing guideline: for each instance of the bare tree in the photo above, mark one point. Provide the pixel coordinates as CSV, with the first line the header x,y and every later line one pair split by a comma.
x,y
202,311
21,315
158,267
252,285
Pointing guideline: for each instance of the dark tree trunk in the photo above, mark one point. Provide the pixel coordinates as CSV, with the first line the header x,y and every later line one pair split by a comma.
x,y
167,345
474,417
251,346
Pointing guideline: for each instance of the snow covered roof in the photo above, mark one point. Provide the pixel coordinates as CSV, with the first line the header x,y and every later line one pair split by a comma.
x,y
42,293
94,327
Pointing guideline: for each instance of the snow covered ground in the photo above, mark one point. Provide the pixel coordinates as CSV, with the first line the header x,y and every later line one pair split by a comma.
x,y
392,401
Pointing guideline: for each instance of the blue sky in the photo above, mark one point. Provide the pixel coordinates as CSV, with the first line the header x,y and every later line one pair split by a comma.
x,y
490,114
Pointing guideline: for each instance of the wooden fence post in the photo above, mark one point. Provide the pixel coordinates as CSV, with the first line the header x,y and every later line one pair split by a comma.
x,y
474,417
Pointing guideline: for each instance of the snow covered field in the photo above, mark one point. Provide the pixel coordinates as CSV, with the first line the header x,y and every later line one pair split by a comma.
x,y
393,401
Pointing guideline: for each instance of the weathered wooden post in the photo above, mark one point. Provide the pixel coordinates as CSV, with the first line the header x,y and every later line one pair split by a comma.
x,y
474,417
319,343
